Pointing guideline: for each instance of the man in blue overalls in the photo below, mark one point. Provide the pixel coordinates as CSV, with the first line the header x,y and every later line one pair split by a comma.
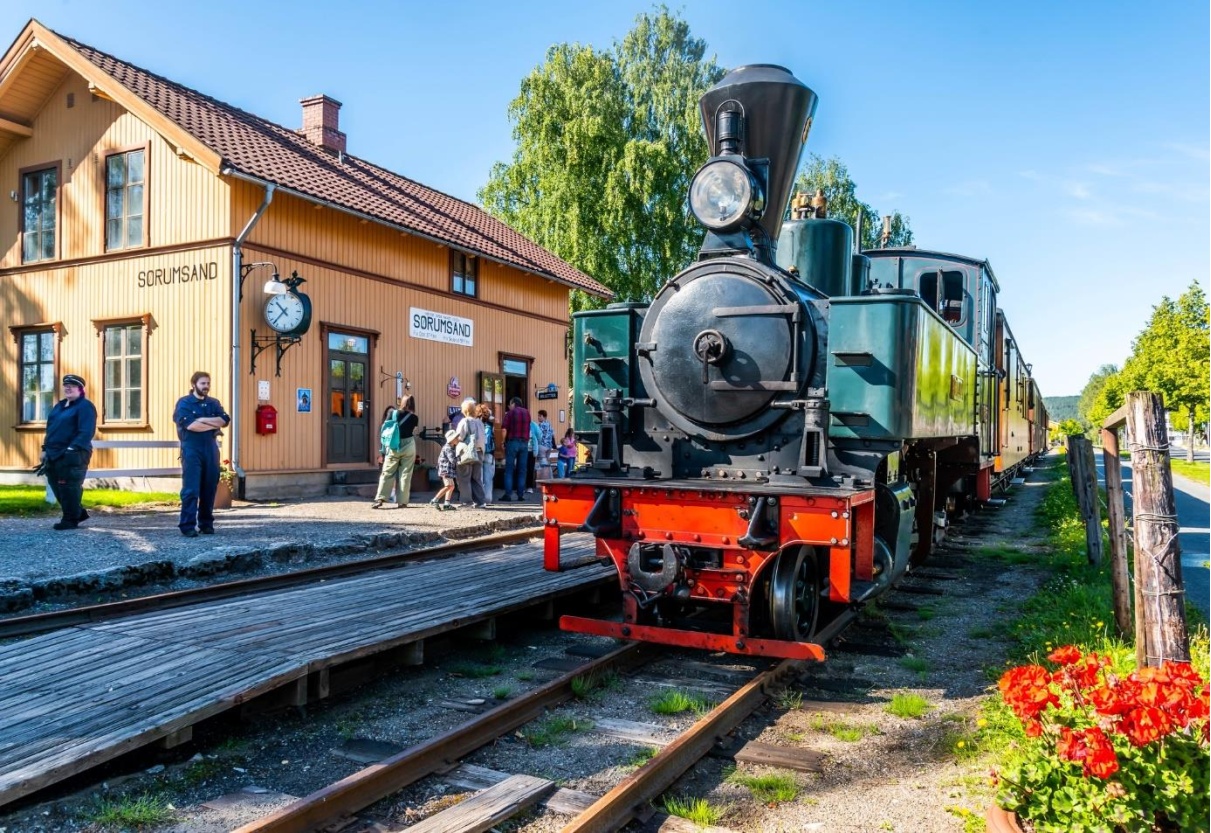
x,y
199,419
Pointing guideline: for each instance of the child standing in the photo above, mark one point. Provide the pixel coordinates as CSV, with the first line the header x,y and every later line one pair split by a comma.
x,y
447,465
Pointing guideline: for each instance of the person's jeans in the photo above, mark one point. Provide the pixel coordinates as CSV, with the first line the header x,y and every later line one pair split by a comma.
x,y
489,475
566,464
516,457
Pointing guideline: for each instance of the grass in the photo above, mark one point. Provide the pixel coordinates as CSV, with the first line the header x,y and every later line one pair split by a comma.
x,y
553,731
902,634
593,685
789,699
641,757
502,692
26,501
775,788
907,705
676,701
1198,472
927,612
474,670
918,665
130,811
698,810
848,732
524,676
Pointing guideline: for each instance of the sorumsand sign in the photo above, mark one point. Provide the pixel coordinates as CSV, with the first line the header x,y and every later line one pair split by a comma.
x,y
438,326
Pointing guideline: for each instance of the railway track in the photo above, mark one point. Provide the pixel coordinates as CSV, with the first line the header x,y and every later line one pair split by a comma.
x,y
30,624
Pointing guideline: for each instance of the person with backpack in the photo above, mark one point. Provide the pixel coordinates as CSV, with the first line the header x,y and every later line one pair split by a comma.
x,y
397,453
484,412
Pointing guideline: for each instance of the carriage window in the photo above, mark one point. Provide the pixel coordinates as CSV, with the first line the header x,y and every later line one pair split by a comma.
x,y
952,297
927,288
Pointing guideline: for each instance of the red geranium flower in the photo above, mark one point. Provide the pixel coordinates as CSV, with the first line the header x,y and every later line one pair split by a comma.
x,y
1066,655
1027,690
1101,762
1144,724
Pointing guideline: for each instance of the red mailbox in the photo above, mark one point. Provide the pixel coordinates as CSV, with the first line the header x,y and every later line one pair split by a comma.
x,y
266,419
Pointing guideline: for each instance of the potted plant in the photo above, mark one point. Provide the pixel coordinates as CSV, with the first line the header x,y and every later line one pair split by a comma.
x,y
226,489
1103,751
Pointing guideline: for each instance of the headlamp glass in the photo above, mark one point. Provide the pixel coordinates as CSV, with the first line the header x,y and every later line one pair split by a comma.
x,y
721,194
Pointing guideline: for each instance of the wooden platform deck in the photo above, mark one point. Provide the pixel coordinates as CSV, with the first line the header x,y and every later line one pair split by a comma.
x,y
72,699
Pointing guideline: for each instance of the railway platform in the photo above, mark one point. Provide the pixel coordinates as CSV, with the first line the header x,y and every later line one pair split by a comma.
x,y
117,551
79,696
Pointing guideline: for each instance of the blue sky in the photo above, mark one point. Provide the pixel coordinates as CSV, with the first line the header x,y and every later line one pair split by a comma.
x,y
1065,142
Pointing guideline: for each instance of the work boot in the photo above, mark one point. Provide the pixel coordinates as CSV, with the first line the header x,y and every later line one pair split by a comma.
x,y
62,525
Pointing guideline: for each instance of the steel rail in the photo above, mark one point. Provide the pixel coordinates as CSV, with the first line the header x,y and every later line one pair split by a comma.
x,y
627,800
52,620
363,788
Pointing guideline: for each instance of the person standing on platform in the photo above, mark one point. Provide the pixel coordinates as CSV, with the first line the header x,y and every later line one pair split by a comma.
x,y
199,419
517,436
471,472
484,412
397,453
567,453
67,448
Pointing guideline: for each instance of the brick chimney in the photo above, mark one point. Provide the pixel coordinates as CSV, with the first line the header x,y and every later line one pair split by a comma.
x,y
321,115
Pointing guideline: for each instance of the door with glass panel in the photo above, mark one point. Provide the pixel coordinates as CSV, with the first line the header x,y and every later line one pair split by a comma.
x,y
348,417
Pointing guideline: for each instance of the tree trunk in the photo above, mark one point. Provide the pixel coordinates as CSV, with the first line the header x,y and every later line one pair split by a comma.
x,y
1158,568
1189,433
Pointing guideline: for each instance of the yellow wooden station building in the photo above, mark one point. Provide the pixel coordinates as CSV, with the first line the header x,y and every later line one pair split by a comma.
x,y
148,231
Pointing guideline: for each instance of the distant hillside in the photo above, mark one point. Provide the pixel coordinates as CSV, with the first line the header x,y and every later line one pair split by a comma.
x,y
1060,408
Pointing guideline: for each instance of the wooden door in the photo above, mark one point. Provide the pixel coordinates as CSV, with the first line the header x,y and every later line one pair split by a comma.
x,y
348,416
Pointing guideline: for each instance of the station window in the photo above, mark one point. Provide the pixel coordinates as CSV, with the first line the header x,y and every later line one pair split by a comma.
x,y
464,274
39,214
125,199
125,379
37,368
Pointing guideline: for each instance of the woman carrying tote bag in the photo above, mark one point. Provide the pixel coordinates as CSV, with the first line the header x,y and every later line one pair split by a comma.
x,y
470,475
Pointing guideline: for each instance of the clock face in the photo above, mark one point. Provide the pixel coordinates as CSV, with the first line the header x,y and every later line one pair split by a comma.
x,y
284,312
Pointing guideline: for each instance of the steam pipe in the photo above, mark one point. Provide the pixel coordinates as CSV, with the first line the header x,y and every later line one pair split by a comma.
x,y
237,263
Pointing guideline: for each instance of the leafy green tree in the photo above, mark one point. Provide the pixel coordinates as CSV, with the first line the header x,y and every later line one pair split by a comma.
x,y
607,142
1089,396
1171,356
832,177
1066,428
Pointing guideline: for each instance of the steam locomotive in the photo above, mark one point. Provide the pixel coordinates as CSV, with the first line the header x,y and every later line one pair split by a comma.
x,y
790,424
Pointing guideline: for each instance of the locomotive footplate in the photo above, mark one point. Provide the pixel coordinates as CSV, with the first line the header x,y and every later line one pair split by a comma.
x,y
787,558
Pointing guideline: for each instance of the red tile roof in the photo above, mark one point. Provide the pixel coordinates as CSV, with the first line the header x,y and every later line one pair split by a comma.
x,y
267,151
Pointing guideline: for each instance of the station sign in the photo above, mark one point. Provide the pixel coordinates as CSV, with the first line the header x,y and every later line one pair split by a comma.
x,y
439,326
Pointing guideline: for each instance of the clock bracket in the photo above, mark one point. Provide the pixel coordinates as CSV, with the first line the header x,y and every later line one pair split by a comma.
x,y
262,343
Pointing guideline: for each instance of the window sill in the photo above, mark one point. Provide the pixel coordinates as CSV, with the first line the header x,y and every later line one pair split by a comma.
x,y
124,426
30,426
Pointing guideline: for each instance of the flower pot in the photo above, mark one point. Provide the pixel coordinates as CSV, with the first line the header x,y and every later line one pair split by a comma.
x,y
1001,821
222,496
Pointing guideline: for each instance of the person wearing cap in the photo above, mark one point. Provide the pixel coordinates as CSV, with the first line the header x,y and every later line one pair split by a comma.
x,y
67,448
199,418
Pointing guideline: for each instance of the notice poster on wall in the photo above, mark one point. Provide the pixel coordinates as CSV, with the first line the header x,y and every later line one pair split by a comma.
x,y
302,401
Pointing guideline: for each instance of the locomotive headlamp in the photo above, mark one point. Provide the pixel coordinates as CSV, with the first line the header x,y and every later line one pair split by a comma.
x,y
723,194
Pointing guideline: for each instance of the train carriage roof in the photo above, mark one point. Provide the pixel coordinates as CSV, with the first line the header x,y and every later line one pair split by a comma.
x,y
913,251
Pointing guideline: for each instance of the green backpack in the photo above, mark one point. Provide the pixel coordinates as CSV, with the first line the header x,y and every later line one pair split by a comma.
x,y
388,435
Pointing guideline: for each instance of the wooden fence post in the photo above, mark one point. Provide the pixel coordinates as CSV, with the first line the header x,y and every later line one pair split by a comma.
x,y
1158,568
1093,505
1120,580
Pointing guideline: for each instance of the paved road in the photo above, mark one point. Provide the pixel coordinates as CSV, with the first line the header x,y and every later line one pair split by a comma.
x,y
1194,535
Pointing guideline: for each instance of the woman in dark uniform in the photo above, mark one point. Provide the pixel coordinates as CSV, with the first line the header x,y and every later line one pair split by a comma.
x,y
67,449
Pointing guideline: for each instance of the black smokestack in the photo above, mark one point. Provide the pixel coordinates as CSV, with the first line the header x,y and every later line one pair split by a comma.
x,y
777,108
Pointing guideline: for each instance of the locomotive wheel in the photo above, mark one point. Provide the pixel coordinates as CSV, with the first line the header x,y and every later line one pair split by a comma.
x,y
794,594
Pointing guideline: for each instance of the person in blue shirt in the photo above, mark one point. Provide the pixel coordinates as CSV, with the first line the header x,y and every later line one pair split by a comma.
x,y
67,448
199,418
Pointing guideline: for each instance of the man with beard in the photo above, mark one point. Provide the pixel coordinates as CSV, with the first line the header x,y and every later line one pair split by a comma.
x,y
67,448
199,418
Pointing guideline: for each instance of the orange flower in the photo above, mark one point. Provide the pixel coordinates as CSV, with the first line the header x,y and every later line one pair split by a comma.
x,y
1026,689
1065,655
1101,762
1144,724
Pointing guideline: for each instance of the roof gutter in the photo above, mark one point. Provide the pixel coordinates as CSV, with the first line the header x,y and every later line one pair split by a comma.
x,y
237,263
227,170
